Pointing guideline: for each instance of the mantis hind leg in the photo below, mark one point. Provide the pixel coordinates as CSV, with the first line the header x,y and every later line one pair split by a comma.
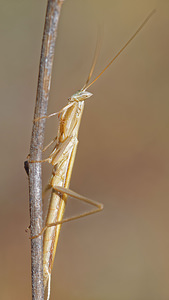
x,y
62,190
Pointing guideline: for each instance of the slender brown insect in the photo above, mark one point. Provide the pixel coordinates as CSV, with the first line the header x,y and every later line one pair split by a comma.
x,y
62,159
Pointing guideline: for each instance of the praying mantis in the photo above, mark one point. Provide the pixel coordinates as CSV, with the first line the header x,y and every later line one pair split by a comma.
x,y
62,159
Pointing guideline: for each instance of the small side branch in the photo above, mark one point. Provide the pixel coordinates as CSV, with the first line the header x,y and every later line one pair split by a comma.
x,y
37,139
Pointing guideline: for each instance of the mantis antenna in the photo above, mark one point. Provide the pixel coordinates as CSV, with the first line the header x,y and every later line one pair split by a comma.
x,y
118,53
96,54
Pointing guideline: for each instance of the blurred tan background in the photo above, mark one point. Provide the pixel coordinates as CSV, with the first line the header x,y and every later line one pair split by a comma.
x,y
123,153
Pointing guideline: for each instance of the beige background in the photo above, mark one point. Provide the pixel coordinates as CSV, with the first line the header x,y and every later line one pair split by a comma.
x,y
123,153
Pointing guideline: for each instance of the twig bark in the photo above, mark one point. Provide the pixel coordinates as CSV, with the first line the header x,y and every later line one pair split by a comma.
x,y
36,146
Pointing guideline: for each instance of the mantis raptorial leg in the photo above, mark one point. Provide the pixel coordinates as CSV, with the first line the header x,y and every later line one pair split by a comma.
x,y
54,114
48,145
56,153
26,163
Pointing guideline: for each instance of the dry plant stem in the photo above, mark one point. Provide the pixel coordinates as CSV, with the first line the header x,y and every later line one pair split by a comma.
x,y
36,146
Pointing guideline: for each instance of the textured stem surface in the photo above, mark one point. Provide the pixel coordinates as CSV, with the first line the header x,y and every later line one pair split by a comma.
x,y
35,174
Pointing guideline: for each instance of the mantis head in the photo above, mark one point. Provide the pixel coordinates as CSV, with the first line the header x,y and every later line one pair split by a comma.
x,y
80,96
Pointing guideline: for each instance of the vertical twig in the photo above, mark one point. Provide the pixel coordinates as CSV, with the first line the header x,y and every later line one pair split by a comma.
x,y
35,178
